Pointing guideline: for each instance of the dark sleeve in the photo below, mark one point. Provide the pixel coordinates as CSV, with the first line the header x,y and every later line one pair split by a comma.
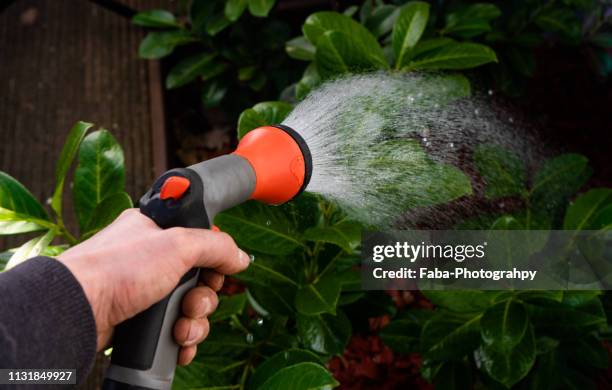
x,y
45,319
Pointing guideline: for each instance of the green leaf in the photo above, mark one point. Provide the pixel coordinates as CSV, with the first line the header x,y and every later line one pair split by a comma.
x,y
155,18
100,172
229,305
260,228
472,20
510,366
20,212
427,46
339,53
325,333
402,335
562,320
234,9
216,24
580,215
310,79
213,93
106,212
449,336
160,44
300,49
262,114
301,376
504,325
265,270
382,20
203,375
462,300
317,24
502,170
558,179
455,56
345,234
275,363
320,297
261,8
71,146
272,300
31,248
188,69
408,29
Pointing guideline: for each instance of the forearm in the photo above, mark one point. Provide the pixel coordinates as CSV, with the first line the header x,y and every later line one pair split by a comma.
x,y
45,319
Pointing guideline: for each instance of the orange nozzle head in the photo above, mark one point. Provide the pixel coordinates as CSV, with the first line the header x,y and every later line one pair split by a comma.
x,y
281,161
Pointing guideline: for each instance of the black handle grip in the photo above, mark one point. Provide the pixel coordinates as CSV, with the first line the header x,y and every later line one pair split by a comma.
x,y
144,351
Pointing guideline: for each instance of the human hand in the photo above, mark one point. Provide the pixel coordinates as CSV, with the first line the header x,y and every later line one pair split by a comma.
x,y
132,264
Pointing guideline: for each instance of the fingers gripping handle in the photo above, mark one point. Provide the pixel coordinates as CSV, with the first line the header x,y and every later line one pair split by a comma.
x,y
144,351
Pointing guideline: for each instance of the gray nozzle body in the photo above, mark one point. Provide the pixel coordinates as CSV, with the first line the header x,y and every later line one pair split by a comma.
x,y
227,181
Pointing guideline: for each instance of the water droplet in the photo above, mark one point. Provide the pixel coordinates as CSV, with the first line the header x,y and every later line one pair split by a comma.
x,y
268,222
251,258
249,338
259,322
424,139
476,112
490,92
411,99
511,120
428,144
452,145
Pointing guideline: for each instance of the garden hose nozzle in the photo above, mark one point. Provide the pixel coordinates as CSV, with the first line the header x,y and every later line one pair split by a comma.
x,y
271,164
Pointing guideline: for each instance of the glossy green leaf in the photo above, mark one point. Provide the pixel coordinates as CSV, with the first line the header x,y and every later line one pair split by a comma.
x,y
448,336
213,93
261,228
563,320
325,333
160,44
339,53
503,171
402,335
203,375
317,24
320,297
301,376
262,114
69,151
106,212
266,270
20,212
229,305
428,46
310,79
234,9
408,29
471,20
345,234
272,299
581,214
32,248
155,18
277,362
510,366
558,179
503,326
261,8
300,49
462,300
455,56
216,24
188,69
382,19
100,172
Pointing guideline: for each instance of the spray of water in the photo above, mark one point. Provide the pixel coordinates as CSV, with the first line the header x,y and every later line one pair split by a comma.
x,y
385,143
